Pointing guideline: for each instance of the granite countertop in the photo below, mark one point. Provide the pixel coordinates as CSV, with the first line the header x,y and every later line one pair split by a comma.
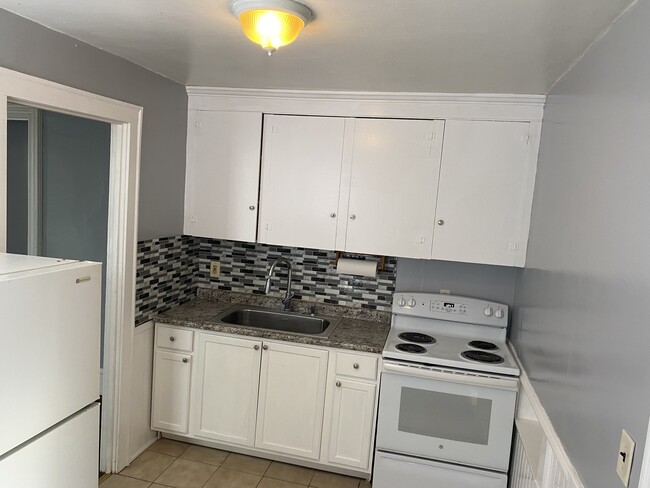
x,y
359,329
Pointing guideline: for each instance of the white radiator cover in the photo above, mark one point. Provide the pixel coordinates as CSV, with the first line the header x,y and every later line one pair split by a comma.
x,y
539,459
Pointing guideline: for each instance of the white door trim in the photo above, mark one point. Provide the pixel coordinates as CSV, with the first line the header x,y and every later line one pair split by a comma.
x,y
126,120
31,116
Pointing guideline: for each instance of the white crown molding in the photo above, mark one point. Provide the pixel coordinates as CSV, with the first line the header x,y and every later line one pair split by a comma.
x,y
377,104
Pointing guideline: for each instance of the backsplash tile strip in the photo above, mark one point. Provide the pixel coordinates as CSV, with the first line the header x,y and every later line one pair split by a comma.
x,y
170,269
165,275
244,267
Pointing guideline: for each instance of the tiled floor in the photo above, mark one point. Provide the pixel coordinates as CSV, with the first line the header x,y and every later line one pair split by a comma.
x,y
175,464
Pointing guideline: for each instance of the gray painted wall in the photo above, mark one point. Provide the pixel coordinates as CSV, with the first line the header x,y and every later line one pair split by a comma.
x,y
17,201
580,325
33,49
495,283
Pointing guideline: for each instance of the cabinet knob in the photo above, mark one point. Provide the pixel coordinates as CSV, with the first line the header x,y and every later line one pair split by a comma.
x,y
355,365
184,360
172,338
265,347
256,347
441,222
352,217
338,383
332,215
252,207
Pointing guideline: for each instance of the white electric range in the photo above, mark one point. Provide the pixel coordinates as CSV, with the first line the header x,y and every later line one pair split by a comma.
x,y
448,394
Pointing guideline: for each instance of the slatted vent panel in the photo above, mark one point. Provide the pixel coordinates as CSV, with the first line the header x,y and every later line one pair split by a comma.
x,y
521,473
554,474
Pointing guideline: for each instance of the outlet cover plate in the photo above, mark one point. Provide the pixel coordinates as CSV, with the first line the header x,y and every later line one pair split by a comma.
x,y
215,269
625,455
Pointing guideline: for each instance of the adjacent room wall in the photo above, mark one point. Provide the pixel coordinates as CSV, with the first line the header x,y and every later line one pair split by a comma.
x,y
580,325
33,49
17,200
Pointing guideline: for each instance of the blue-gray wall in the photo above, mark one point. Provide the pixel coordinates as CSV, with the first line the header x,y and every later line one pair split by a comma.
x,y
580,324
33,49
17,200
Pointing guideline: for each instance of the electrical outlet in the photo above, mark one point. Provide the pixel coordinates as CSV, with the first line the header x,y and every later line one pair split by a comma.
x,y
625,454
215,269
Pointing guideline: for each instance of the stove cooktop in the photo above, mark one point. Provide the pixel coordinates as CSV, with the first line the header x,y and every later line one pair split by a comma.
x,y
430,329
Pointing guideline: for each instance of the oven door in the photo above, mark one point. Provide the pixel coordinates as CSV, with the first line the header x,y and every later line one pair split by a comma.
x,y
455,416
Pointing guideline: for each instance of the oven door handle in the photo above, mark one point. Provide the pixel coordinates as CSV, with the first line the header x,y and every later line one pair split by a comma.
x,y
452,377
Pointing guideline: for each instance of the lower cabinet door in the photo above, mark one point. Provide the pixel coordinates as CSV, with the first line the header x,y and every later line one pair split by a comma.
x,y
171,391
225,389
352,419
291,400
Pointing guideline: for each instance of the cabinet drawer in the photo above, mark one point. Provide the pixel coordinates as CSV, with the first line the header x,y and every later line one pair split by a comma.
x,y
356,366
173,338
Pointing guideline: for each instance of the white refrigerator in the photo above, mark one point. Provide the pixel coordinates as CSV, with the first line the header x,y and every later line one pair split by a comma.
x,y
49,372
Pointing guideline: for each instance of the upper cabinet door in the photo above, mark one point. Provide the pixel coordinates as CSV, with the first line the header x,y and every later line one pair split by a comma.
x,y
393,186
301,172
222,180
485,195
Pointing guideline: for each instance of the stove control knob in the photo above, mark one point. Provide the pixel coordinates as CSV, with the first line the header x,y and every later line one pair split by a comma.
x,y
498,314
488,312
401,302
411,303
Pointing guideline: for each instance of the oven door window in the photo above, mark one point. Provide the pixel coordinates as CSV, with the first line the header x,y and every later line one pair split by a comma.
x,y
469,423
444,420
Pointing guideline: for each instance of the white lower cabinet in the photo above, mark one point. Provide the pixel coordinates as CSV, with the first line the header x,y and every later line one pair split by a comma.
x,y
225,388
312,404
171,391
353,415
291,400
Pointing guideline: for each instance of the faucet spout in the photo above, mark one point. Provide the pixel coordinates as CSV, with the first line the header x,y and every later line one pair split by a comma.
x,y
288,296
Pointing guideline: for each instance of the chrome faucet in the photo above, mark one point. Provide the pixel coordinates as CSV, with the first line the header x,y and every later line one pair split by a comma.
x,y
287,298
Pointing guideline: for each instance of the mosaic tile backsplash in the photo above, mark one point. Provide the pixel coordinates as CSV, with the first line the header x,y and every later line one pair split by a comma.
x,y
171,269
165,275
244,267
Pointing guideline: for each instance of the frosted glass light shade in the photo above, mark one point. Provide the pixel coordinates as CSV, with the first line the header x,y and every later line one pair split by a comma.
x,y
271,23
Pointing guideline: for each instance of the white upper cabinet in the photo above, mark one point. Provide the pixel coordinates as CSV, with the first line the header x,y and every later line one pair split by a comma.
x,y
222,177
485,193
393,185
301,173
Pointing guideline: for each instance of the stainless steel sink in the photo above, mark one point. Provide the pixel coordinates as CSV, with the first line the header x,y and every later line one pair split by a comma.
x,y
292,323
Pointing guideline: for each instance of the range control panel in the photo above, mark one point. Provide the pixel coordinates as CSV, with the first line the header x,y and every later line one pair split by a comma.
x,y
451,307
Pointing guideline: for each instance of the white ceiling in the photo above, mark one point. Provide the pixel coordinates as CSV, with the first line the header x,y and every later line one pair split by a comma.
x,y
446,46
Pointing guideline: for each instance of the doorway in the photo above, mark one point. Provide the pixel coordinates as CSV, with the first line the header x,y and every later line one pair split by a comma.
x,y
125,122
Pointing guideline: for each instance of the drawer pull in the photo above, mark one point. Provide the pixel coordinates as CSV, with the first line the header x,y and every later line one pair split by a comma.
x,y
265,347
256,347
184,360
355,365
338,383
172,338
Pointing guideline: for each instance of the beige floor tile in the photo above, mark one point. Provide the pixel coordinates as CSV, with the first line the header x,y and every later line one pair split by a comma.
x,y
205,455
288,472
184,473
117,481
169,447
271,483
229,478
148,466
323,479
247,464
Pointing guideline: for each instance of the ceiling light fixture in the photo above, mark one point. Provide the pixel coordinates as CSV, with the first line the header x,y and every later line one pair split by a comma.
x,y
271,23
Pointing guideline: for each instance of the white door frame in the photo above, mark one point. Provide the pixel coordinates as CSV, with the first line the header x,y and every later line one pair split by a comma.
x,y
126,125
31,115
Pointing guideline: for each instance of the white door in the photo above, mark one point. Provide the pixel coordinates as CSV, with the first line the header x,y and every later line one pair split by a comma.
x,y
64,457
292,398
393,186
352,420
222,177
171,391
301,172
225,389
485,194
